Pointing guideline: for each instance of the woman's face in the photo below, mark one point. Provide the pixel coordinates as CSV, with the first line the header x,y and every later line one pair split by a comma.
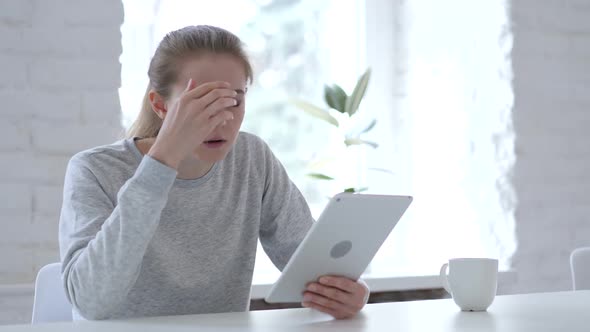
x,y
211,68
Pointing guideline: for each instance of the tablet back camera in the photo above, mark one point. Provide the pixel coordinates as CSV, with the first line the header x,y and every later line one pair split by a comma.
x,y
340,249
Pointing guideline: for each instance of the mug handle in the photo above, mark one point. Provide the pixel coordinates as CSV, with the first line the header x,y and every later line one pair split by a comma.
x,y
444,278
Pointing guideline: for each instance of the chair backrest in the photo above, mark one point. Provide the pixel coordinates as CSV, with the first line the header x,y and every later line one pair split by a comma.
x,y
580,265
50,303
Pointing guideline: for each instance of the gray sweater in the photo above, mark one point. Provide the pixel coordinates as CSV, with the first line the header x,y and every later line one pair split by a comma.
x,y
137,241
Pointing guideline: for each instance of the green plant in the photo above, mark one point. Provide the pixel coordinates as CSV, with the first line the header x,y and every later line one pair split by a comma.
x,y
339,101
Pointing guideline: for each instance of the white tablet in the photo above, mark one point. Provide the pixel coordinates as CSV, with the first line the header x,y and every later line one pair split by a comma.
x,y
342,242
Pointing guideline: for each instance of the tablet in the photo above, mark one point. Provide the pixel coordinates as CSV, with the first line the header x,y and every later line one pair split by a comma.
x,y
342,242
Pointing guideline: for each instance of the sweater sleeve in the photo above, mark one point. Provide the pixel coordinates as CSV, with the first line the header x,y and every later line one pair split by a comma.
x,y
285,217
102,243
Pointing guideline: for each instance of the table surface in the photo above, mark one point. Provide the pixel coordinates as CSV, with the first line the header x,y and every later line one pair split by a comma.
x,y
563,311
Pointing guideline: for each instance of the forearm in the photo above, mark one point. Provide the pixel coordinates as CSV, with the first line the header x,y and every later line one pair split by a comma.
x,y
99,273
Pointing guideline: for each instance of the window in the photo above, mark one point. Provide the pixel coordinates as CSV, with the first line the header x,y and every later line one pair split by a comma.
x,y
440,90
451,126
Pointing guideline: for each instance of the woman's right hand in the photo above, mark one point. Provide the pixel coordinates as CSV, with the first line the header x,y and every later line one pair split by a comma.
x,y
192,117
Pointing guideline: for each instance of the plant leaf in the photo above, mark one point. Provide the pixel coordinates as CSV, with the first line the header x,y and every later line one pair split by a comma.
x,y
381,170
354,100
315,111
358,141
369,127
355,190
335,97
320,176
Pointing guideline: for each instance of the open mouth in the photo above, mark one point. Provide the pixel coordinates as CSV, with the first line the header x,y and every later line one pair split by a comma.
x,y
214,143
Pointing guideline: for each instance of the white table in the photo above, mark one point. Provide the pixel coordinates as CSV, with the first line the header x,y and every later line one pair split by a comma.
x,y
566,311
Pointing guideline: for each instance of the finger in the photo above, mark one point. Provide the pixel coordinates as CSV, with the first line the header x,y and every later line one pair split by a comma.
x,y
203,89
218,105
332,312
240,98
326,302
219,119
190,85
342,283
330,292
216,94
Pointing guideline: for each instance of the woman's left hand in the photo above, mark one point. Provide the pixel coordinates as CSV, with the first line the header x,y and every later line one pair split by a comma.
x,y
337,296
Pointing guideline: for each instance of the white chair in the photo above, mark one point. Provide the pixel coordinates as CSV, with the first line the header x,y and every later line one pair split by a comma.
x,y
50,303
580,265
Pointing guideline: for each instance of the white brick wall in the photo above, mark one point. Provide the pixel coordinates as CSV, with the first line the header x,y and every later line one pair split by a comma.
x,y
59,80
551,120
96,106
16,303
55,106
50,138
16,12
14,72
14,135
76,75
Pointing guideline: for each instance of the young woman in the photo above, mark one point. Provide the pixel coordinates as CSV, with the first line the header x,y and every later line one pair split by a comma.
x,y
166,222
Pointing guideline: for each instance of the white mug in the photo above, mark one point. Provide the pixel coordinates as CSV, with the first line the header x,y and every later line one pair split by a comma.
x,y
471,281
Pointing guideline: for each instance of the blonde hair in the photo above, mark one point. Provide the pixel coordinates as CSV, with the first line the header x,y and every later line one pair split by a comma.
x,y
165,64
